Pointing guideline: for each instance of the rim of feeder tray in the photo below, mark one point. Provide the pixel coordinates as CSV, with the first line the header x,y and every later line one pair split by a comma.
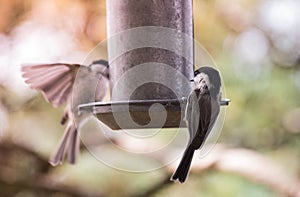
x,y
139,112
91,106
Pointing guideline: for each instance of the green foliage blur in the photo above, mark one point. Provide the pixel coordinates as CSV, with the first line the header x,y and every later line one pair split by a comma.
x,y
254,43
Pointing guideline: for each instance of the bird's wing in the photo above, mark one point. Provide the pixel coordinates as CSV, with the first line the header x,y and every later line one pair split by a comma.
x,y
215,109
192,115
54,80
205,103
200,119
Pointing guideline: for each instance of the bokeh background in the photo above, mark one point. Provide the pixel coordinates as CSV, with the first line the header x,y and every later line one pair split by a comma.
x,y
256,45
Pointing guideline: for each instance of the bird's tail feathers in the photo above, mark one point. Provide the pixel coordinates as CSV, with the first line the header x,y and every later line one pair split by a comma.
x,y
182,170
68,144
74,146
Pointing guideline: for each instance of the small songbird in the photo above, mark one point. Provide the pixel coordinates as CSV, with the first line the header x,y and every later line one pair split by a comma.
x,y
202,110
58,86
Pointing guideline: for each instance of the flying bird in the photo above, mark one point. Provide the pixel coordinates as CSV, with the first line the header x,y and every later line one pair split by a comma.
x,y
70,84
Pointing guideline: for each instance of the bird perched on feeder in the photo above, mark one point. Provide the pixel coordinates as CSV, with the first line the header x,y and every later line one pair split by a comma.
x,y
202,110
57,84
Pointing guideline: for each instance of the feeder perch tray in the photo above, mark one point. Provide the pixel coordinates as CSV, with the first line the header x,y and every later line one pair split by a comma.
x,y
139,112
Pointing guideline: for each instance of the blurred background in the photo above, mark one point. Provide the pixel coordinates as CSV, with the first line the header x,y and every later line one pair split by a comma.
x,y
256,45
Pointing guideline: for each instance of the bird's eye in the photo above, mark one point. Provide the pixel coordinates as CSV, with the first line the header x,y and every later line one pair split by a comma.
x,y
202,80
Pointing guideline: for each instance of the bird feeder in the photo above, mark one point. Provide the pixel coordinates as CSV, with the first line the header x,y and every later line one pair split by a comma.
x,y
151,58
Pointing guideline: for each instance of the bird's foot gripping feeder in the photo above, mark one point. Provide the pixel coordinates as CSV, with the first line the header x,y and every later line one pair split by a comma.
x,y
139,111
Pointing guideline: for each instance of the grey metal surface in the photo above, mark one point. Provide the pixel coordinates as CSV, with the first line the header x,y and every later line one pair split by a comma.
x,y
151,58
139,112
127,14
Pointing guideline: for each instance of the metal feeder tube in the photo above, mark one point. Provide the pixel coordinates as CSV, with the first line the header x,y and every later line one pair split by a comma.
x,y
153,34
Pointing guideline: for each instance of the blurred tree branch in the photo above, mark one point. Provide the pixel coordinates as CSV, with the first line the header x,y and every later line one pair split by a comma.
x,y
44,184
259,169
250,164
8,148
13,181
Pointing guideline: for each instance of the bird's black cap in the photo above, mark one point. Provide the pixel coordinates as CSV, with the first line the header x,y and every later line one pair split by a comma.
x,y
103,62
212,73
214,77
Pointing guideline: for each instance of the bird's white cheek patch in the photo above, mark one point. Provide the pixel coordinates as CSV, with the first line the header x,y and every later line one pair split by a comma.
x,y
201,79
197,79
204,78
